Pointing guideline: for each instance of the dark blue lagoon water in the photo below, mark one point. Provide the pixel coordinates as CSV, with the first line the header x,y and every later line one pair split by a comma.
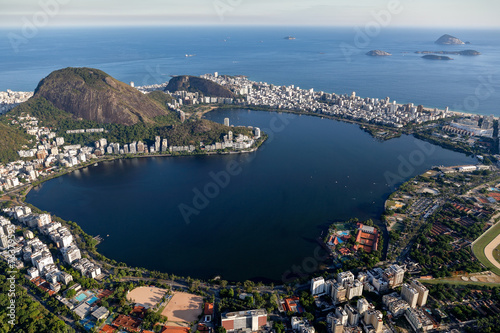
x,y
328,59
262,220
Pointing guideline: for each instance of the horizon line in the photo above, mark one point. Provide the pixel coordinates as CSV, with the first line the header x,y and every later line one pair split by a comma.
x,y
244,25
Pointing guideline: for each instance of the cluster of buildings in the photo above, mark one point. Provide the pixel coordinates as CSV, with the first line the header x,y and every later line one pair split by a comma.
x,y
347,318
188,98
369,110
473,126
50,151
347,286
350,318
10,99
413,296
29,249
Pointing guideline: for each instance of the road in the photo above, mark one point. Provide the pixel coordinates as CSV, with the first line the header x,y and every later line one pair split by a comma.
x,y
488,251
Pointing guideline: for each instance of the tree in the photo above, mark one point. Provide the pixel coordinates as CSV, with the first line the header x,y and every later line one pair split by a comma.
x,y
220,329
71,293
279,327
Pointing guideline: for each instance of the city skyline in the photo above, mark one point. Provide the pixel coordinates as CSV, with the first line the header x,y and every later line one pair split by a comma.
x,y
407,13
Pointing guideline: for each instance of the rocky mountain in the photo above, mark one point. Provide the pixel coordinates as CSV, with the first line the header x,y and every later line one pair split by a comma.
x,y
196,84
91,94
448,40
378,53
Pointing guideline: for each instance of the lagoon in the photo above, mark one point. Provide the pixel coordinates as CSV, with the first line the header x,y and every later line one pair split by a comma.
x,y
249,216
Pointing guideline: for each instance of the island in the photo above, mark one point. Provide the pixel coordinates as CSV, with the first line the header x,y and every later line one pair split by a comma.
x,y
436,57
378,53
464,52
448,40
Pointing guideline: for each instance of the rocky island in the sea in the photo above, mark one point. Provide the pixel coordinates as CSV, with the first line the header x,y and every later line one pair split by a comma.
x,y
448,40
464,52
436,57
378,53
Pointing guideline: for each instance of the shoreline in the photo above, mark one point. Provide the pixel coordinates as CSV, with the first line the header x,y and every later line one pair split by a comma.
x,y
362,125
118,157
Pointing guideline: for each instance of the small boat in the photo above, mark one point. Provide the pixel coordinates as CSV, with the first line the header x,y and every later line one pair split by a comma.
x,y
96,164
289,38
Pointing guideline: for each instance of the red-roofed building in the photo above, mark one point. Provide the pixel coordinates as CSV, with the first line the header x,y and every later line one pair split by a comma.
x,y
138,311
208,311
175,329
127,322
366,238
204,328
292,304
344,251
108,329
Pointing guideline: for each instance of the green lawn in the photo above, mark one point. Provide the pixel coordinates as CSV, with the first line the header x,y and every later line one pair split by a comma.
x,y
496,253
479,246
458,283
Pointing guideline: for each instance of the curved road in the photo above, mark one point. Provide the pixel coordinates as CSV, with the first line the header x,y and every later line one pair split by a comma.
x,y
488,251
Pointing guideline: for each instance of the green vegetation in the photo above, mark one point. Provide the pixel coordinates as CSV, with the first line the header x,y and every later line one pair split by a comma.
x,y
196,84
94,78
230,301
151,318
438,257
43,110
30,315
12,139
168,126
481,243
457,300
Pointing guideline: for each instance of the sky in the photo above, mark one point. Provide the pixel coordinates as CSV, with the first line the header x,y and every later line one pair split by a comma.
x,y
395,13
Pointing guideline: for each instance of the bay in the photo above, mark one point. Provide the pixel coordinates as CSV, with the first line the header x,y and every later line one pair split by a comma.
x,y
330,59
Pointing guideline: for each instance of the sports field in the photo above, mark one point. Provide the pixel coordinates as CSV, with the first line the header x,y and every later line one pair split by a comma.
x,y
484,247
183,308
147,296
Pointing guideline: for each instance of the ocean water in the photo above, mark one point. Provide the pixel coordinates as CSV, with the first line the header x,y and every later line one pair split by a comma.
x,y
327,59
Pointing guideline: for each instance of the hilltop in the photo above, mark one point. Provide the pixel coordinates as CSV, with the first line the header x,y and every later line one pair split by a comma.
x,y
196,84
91,94
85,98
448,40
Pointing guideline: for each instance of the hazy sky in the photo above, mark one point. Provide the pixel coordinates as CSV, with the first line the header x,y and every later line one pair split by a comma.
x,y
424,13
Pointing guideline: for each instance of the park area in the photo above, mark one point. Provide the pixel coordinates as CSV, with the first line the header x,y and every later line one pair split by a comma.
x,y
183,309
485,248
149,297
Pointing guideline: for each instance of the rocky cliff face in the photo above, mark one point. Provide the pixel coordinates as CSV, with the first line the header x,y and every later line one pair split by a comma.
x,y
91,94
196,84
